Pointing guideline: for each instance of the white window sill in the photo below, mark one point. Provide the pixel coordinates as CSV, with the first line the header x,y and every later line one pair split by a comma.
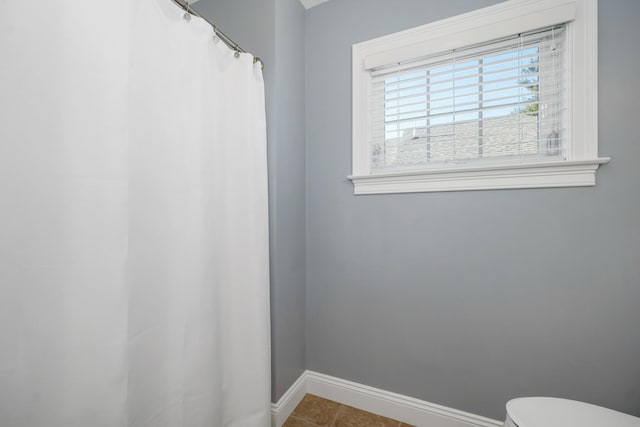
x,y
575,173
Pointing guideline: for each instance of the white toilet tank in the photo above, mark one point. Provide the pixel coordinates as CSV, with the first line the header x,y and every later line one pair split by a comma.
x,y
554,412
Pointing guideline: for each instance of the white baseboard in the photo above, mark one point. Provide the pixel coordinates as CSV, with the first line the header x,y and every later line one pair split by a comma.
x,y
281,410
403,408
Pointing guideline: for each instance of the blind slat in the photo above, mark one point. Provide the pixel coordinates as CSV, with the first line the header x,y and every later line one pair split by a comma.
x,y
390,90
450,104
415,117
409,72
377,98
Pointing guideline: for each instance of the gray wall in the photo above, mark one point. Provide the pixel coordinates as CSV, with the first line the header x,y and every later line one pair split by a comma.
x,y
274,31
465,299
289,275
468,299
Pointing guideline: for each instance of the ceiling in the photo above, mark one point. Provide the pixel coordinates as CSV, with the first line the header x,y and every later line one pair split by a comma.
x,y
306,3
310,3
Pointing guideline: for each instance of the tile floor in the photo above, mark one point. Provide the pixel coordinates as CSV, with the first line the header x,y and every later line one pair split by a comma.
x,y
314,411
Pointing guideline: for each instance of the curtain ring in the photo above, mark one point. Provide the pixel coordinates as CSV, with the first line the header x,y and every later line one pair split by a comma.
x,y
187,14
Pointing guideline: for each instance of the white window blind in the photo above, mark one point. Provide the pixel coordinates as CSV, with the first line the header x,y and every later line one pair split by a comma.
x,y
502,100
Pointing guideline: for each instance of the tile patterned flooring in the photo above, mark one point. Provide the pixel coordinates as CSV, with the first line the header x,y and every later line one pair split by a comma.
x,y
314,411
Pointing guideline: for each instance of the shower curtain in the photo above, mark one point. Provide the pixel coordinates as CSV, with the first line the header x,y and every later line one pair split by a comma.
x,y
133,220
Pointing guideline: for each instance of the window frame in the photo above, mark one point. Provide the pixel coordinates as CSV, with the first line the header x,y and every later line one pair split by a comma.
x,y
504,19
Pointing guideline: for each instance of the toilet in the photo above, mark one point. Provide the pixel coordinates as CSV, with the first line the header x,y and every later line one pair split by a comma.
x,y
554,412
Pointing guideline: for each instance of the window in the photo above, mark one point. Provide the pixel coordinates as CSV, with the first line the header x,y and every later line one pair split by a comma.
x,y
503,97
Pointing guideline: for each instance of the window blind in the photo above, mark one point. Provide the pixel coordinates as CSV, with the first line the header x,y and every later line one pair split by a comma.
x,y
501,100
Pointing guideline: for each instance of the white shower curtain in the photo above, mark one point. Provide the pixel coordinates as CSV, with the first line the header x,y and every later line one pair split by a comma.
x,y
133,220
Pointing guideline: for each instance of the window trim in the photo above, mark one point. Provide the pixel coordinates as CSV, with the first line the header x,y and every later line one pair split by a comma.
x,y
485,24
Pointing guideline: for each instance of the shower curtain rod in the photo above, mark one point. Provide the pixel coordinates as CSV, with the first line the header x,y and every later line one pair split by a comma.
x,y
232,45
